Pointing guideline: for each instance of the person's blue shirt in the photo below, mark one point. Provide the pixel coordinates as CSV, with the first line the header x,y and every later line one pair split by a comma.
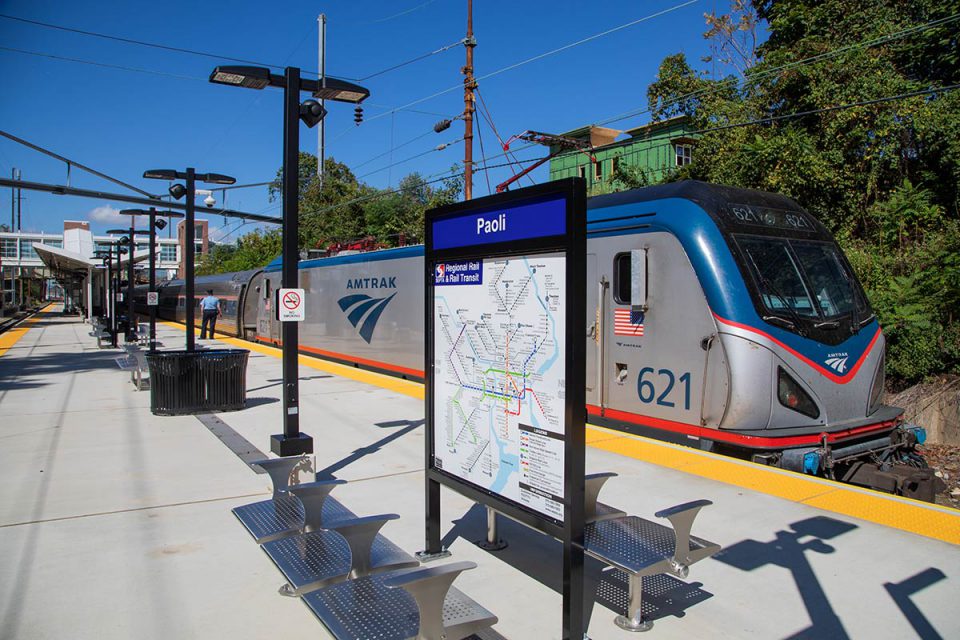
x,y
210,303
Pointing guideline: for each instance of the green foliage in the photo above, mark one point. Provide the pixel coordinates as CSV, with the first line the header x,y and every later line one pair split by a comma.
x,y
884,177
339,209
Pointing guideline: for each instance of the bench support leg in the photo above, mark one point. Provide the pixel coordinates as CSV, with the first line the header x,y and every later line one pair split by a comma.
x,y
493,541
635,622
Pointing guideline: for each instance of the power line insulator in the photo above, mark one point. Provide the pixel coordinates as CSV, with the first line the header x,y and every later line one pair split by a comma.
x,y
443,125
358,115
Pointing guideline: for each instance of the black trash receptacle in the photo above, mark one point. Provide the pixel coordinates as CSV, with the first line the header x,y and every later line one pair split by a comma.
x,y
187,382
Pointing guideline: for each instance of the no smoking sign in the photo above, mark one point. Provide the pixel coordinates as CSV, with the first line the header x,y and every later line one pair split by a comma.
x,y
290,306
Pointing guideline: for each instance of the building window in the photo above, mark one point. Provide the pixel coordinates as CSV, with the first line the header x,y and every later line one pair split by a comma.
x,y
598,170
684,154
614,164
198,247
198,232
27,251
582,172
168,253
8,247
54,243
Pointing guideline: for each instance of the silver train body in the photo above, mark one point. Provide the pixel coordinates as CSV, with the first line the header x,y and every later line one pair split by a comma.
x,y
752,338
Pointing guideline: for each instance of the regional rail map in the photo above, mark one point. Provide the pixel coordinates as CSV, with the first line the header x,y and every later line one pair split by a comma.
x,y
499,372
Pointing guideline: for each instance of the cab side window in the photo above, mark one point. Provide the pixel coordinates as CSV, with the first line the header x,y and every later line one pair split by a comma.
x,y
622,277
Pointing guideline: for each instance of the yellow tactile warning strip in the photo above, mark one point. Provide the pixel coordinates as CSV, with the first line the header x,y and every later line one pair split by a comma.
x,y
914,516
12,337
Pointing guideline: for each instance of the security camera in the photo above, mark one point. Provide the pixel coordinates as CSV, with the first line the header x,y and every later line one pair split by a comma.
x,y
210,201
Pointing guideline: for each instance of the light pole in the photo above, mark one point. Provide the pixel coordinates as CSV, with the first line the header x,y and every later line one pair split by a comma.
x,y
190,176
291,442
155,225
120,244
107,258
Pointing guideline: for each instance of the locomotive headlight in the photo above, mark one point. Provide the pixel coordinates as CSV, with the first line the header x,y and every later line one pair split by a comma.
x,y
879,379
791,395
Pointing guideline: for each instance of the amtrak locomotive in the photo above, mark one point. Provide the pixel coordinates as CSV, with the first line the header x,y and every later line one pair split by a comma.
x,y
719,318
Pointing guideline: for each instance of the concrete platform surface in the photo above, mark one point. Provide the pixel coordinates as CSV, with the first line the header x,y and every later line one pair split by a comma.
x,y
115,523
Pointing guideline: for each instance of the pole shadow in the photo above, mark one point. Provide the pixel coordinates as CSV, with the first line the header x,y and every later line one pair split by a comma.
x,y
901,592
789,550
328,473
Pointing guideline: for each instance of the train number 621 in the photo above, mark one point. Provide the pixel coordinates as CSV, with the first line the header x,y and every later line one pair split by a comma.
x,y
665,380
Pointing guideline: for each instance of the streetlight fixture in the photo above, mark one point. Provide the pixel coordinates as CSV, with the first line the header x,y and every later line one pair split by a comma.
x,y
178,191
156,224
291,442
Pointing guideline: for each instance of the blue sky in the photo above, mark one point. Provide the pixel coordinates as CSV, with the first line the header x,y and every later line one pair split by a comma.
x,y
122,122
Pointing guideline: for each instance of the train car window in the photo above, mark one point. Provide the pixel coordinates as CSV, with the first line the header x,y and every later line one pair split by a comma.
x,y
830,282
266,289
779,280
622,275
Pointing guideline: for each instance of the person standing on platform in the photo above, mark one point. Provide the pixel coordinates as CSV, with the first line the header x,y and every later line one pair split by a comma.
x,y
210,306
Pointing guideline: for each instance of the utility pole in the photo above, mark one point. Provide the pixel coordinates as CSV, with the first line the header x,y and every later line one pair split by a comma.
x,y
469,84
19,203
322,53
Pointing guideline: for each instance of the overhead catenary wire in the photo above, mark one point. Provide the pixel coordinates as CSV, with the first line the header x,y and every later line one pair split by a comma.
x,y
103,64
74,163
143,43
544,55
439,147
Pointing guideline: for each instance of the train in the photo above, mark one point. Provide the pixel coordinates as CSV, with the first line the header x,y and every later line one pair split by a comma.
x,y
753,338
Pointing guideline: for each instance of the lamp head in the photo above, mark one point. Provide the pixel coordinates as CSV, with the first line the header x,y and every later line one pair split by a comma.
x,y
160,174
241,76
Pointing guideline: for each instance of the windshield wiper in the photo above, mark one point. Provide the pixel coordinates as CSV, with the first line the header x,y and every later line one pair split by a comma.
x,y
827,324
795,317
781,320
867,320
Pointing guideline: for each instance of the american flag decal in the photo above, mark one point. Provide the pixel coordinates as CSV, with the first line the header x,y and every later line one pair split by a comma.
x,y
627,323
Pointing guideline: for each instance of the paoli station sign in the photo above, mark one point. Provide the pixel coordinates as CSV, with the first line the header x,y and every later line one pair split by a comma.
x,y
505,319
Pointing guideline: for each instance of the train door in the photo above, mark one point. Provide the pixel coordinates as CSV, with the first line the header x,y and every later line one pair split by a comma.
x,y
264,310
660,338
594,329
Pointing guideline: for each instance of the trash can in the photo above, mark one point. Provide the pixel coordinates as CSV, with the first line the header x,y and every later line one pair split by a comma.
x,y
188,382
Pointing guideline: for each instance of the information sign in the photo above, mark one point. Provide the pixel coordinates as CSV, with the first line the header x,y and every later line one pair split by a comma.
x,y
290,305
153,298
505,319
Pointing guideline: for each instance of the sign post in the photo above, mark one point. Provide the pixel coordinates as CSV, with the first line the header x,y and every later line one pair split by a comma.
x,y
505,365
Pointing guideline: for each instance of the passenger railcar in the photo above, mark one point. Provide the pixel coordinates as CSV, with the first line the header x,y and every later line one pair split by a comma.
x,y
720,318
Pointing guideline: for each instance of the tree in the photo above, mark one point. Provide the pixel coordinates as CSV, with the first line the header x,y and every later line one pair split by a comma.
x,y
883,176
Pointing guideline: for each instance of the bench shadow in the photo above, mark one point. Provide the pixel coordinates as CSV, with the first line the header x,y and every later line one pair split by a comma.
x,y
788,549
538,555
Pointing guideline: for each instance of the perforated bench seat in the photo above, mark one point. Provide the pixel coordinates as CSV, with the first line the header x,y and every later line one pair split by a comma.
x,y
283,516
400,605
642,548
318,558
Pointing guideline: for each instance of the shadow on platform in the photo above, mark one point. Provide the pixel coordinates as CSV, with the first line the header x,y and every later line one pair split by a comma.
x,y
539,556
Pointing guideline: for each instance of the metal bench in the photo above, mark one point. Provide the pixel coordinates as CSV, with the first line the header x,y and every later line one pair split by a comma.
x,y
136,363
285,514
642,548
633,545
401,605
100,332
342,550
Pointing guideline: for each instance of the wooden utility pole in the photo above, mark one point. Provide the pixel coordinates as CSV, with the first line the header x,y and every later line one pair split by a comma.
x,y
469,84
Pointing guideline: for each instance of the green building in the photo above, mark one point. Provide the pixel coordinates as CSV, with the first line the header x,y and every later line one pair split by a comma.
x,y
656,149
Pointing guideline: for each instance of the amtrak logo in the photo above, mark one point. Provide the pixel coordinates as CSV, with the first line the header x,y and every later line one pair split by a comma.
x,y
837,361
363,312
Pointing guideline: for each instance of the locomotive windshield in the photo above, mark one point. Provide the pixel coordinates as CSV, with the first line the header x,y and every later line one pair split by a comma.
x,y
803,284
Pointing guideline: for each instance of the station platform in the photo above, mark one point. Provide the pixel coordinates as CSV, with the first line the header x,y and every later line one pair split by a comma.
x,y
115,523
